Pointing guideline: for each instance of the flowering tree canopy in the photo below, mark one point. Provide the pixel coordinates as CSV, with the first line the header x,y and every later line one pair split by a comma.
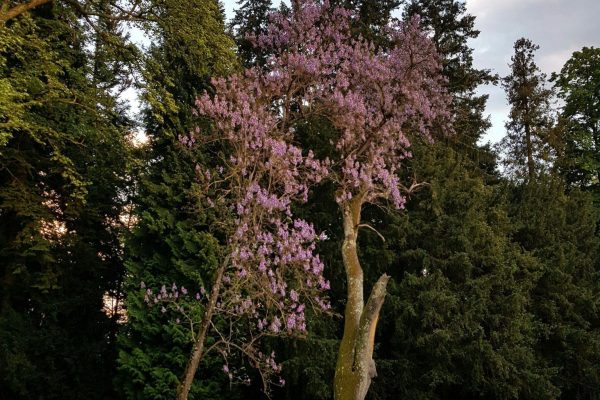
x,y
374,100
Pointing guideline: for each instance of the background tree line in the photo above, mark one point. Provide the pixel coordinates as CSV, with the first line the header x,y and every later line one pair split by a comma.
x,y
495,265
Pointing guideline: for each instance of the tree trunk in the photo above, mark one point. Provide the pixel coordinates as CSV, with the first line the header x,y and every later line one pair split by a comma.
x,y
529,145
355,366
530,161
190,370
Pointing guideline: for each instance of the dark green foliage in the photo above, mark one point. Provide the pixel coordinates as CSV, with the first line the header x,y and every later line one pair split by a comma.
x,y
63,158
457,323
169,243
451,28
165,247
373,17
251,18
558,229
578,86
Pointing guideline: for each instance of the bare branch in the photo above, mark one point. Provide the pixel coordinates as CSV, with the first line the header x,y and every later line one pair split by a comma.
x,y
414,186
123,15
20,9
373,229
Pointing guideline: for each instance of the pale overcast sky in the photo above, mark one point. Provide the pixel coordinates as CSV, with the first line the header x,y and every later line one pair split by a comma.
x,y
559,27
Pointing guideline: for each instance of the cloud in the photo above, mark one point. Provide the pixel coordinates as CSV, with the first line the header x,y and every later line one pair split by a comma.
x,y
559,27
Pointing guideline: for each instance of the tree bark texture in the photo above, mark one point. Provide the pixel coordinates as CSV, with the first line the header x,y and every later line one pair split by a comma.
x,y
355,366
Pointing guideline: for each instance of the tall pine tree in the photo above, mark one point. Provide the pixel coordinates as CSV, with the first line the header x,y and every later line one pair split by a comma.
x,y
557,228
526,146
250,21
373,17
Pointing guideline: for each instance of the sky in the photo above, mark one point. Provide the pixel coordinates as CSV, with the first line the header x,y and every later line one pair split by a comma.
x,y
559,27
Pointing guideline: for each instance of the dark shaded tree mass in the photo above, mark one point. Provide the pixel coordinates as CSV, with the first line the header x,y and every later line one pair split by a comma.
x,y
63,166
494,262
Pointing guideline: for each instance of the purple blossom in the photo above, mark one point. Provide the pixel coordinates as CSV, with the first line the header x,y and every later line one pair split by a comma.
x,y
275,325
372,98
294,295
291,321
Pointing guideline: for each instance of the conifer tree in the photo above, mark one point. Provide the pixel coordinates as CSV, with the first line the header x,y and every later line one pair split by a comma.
x,y
169,242
555,226
250,21
451,28
372,18
558,229
459,322
526,146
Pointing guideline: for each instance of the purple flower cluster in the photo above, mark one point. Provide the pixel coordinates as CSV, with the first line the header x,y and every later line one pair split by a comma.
x,y
372,98
187,140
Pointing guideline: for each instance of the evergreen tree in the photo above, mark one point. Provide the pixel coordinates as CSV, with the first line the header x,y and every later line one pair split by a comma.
x,y
458,323
578,86
63,159
559,230
251,19
169,242
526,146
373,17
451,28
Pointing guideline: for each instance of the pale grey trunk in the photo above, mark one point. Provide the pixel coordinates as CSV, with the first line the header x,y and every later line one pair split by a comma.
x,y
355,366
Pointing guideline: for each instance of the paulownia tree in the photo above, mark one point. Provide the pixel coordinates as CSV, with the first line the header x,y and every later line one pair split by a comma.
x,y
269,268
374,100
